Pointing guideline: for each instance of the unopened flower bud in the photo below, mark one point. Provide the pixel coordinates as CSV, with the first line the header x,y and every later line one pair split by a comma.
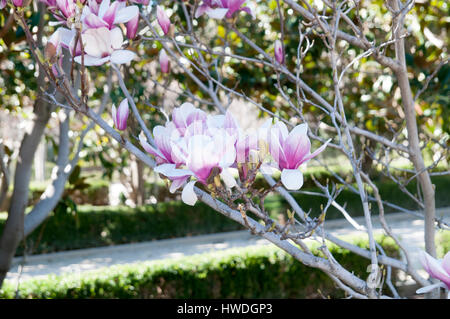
x,y
164,61
279,52
120,115
163,20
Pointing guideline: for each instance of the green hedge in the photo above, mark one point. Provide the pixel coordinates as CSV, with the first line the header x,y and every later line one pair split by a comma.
x,y
93,226
250,272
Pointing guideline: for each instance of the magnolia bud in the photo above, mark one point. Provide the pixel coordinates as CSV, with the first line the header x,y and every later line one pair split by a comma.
x,y
163,20
279,52
164,61
120,115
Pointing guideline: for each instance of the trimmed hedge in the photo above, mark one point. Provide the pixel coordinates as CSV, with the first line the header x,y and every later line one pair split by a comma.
x,y
93,226
250,272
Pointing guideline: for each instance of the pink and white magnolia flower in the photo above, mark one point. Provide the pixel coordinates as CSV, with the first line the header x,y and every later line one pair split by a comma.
x,y
206,153
108,14
438,269
64,11
163,20
290,150
2,4
279,52
218,9
164,62
102,45
120,115
186,147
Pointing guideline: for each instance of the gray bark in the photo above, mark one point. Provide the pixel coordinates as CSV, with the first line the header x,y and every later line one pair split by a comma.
x,y
13,230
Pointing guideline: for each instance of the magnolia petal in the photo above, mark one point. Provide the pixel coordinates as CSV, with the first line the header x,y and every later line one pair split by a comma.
x,y
268,169
92,60
228,178
132,27
66,36
110,14
250,9
148,148
188,195
104,6
177,183
316,152
292,179
97,42
116,38
126,14
122,56
170,171
434,267
297,146
218,13
93,21
429,288
446,262
122,115
201,10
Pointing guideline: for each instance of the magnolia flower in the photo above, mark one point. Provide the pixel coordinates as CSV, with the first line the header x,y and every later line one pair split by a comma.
x,y
102,45
107,14
164,61
218,9
2,4
163,20
120,115
189,148
438,269
279,52
208,157
167,149
67,8
290,150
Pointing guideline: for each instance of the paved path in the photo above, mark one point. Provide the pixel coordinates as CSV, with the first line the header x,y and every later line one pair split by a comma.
x,y
407,227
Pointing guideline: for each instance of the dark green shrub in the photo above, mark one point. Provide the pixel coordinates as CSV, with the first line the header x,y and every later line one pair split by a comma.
x,y
250,272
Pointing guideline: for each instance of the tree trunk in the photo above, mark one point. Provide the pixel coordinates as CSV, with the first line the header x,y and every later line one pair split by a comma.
x,y
13,230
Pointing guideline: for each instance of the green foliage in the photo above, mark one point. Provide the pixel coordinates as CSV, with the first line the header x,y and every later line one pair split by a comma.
x,y
91,226
250,272
442,243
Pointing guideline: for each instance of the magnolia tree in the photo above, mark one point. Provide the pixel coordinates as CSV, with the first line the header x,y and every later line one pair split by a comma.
x,y
202,151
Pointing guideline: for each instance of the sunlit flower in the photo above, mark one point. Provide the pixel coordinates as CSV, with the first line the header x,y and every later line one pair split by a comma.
x,y
107,14
102,45
290,150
